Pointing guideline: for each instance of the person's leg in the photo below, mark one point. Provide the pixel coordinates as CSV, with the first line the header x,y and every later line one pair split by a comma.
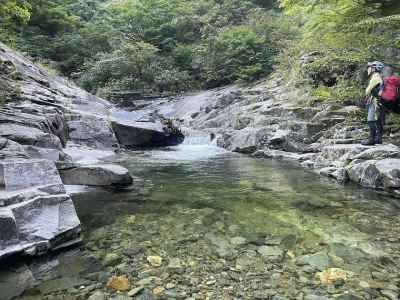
x,y
379,125
372,126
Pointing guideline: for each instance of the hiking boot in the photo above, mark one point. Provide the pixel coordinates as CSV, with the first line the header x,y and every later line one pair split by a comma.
x,y
368,142
372,135
379,134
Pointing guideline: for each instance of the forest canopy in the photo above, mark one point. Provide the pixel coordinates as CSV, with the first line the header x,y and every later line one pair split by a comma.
x,y
179,45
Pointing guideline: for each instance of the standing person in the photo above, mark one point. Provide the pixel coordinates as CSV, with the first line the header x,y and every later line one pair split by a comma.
x,y
375,109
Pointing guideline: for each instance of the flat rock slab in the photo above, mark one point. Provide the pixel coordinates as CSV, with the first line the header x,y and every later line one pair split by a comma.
x,y
97,175
21,174
38,225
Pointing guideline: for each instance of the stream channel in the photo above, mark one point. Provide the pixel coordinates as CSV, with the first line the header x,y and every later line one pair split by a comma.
x,y
227,226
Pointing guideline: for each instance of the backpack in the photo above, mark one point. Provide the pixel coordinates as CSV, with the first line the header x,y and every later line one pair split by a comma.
x,y
390,90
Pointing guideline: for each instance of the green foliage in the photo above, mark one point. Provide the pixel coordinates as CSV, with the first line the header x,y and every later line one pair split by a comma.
x,y
162,45
345,34
237,53
13,13
133,66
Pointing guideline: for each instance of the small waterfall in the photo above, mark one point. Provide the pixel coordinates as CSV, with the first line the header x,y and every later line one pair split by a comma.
x,y
196,137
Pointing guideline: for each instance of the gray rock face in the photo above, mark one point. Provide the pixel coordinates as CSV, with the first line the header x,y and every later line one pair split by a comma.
x,y
97,175
92,131
35,213
21,174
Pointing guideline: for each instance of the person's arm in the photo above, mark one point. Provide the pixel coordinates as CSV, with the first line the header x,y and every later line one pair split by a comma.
x,y
375,80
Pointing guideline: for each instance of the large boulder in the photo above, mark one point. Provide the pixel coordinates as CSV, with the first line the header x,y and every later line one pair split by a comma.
x,y
380,174
91,131
97,175
144,134
36,214
22,174
246,141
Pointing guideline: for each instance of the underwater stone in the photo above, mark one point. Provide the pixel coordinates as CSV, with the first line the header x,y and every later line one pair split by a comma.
x,y
319,260
272,252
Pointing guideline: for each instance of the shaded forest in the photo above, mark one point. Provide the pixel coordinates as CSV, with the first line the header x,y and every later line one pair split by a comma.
x,y
181,45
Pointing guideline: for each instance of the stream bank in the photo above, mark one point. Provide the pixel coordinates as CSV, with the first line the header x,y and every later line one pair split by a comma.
x,y
52,135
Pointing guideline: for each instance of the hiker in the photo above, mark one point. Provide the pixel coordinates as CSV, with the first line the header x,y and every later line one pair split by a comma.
x,y
375,108
389,94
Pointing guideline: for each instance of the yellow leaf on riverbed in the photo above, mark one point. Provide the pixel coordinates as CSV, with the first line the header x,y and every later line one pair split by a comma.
x,y
118,283
333,275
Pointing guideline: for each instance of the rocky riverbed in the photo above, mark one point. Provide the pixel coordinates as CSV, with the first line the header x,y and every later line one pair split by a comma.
x,y
216,225
52,134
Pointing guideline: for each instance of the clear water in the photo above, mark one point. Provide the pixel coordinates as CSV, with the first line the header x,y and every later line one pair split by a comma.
x,y
194,193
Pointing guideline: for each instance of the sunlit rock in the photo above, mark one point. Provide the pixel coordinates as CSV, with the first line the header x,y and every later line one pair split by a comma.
x,y
97,175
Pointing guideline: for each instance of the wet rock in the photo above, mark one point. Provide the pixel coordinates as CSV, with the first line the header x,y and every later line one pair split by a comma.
x,y
111,259
155,261
278,297
175,266
118,283
390,294
266,294
97,296
245,141
238,241
221,245
319,261
315,297
60,284
144,134
14,281
133,249
348,254
279,155
97,175
349,296
135,291
271,252
146,295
